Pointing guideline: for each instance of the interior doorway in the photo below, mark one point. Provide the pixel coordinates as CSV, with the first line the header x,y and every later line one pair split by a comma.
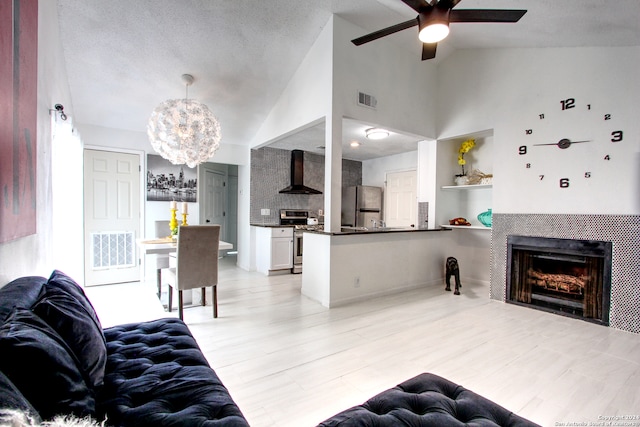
x,y
400,199
219,199
215,190
112,216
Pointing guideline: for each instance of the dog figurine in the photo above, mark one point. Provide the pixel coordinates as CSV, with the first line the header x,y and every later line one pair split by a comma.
x,y
452,269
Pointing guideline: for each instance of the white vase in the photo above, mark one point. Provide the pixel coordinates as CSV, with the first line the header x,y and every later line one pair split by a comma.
x,y
461,180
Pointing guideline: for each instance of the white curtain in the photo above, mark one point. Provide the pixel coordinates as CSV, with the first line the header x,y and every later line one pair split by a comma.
x,y
67,198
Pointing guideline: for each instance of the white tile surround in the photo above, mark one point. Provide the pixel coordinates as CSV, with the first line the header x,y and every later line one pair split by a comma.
x,y
288,361
622,230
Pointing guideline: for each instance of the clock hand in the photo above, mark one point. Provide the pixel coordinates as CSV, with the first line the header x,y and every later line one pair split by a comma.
x,y
564,143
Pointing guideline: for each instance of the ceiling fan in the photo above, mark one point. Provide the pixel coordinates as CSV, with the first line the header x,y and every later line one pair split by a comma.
x,y
433,22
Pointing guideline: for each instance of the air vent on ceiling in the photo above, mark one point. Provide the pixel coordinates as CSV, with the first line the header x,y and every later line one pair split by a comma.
x,y
366,100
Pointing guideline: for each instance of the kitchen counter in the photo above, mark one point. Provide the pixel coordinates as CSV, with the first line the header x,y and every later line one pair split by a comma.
x,y
346,231
352,265
271,225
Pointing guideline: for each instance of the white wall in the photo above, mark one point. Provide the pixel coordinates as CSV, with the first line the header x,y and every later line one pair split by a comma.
x,y
350,268
117,139
132,140
307,97
505,90
374,171
31,255
404,86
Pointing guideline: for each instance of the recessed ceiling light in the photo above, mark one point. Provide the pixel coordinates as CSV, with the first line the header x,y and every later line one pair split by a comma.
x,y
354,144
376,133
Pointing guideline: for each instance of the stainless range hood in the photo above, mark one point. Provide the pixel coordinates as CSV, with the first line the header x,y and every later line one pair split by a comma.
x,y
297,176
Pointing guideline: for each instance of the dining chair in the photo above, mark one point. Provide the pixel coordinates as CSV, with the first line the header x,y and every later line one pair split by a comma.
x,y
162,260
196,264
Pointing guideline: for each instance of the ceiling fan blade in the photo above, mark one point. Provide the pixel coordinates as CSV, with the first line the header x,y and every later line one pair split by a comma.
x,y
385,32
418,5
429,50
486,15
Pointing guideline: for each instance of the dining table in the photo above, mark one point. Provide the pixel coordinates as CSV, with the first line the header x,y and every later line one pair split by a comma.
x,y
163,246
166,245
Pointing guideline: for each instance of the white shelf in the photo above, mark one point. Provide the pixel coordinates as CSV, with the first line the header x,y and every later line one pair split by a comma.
x,y
466,187
466,227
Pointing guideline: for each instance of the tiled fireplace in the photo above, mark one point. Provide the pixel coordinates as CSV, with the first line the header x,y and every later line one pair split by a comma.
x,y
614,241
571,277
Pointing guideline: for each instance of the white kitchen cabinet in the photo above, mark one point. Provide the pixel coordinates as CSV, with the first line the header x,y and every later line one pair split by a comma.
x,y
274,249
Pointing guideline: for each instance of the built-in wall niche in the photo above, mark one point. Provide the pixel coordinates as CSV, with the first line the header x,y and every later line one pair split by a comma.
x,y
564,276
454,201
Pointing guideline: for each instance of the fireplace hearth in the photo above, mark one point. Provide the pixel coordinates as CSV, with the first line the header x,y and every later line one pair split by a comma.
x,y
565,276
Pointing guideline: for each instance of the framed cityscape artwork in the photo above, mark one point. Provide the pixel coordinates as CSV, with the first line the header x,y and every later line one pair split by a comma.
x,y
167,182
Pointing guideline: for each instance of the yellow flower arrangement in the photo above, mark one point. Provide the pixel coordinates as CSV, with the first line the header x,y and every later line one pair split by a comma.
x,y
465,147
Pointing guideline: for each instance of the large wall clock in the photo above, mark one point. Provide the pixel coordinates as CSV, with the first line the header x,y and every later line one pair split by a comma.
x,y
570,143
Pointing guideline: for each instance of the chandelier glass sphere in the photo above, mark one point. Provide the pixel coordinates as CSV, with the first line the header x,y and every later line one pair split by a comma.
x,y
184,131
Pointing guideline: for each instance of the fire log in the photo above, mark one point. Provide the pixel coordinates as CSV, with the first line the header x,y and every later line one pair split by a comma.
x,y
557,282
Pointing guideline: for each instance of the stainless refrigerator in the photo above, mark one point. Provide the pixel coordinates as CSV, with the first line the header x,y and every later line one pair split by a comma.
x,y
361,204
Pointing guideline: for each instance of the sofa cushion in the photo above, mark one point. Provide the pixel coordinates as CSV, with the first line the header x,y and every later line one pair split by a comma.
x,y
65,283
78,329
42,367
11,398
427,400
157,376
20,293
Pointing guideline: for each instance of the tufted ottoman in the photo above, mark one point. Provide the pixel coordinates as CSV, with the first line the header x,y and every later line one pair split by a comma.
x,y
156,375
427,400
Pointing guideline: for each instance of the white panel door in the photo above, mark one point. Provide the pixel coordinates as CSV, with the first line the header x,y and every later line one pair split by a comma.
x,y
400,199
111,217
214,200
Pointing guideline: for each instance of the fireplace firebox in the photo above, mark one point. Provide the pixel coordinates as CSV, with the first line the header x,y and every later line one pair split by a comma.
x,y
565,276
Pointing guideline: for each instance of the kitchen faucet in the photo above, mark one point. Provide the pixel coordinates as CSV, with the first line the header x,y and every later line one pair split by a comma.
x,y
378,223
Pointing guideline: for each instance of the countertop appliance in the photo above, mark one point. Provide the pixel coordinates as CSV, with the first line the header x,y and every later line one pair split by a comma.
x,y
360,205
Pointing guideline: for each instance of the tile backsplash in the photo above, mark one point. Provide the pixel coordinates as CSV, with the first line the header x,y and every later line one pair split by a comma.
x,y
270,173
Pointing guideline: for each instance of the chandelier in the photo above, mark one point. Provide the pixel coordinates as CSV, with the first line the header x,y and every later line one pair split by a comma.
x,y
184,131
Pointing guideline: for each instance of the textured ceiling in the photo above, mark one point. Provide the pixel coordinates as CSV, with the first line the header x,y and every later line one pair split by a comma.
x,y
124,57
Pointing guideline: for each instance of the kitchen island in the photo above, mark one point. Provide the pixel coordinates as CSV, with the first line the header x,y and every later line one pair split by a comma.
x,y
356,264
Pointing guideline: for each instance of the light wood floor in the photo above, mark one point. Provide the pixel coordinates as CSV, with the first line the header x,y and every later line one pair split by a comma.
x,y
288,361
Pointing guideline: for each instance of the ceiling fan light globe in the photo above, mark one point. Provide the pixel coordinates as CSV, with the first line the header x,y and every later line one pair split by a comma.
x,y
433,33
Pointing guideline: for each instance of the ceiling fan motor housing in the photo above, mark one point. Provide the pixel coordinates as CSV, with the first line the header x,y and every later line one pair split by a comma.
x,y
433,25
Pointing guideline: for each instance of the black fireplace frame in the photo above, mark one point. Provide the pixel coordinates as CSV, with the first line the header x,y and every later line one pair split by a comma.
x,y
577,247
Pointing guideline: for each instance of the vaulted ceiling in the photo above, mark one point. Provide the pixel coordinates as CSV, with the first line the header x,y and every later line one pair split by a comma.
x,y
124,57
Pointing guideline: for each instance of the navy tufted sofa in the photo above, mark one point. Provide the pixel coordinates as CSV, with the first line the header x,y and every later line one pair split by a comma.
x,y
55,358
427,400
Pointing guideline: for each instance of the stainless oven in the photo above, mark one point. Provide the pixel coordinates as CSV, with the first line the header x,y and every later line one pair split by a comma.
x,y
297,218
297,251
